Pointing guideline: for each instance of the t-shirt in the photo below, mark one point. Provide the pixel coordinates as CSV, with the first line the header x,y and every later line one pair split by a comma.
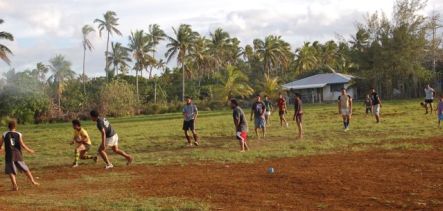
x,y
368,102
440,107
259,109
374,98
239,115
82,134
429,93
344,101
268,105
298,106
282,104
104,123
190,111
13,148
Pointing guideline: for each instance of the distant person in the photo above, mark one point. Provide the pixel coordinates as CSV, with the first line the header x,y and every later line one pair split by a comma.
x,y
109,139
345,108
14,143
282,110
376,105
298,114
190,113
429,97
241,126
82,143
258,110
368,105
269,108
440,110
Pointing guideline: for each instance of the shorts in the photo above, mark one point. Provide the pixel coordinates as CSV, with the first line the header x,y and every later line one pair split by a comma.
x,y
376,109
83,147
440,117
112,141
260,123
345,112
188,125
429,100
299,118
368,110
268,113
12,167
242,136
282,112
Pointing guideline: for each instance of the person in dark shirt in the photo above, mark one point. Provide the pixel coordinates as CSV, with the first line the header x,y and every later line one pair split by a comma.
x,y
368,105
269,108
190,113
14,143
376,105
241,126
298,114
258,110
109,139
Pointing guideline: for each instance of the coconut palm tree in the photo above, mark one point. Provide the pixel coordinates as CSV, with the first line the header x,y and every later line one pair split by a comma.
x,y
273,52
87,45
156,35
305,58
5,51
179,47
270,86
200,57
232,83
220,46
61,73
109,24
118,57
140,46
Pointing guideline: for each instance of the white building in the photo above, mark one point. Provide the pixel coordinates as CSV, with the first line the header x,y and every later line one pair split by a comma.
x,y
323,87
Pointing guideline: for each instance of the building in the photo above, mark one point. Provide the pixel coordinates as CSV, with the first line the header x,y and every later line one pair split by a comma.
x,y
323,87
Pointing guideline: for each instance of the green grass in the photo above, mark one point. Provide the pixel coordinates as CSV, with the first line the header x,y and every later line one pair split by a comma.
x,y
158,140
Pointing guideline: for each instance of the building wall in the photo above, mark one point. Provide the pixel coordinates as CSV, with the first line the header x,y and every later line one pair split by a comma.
x,y
333,96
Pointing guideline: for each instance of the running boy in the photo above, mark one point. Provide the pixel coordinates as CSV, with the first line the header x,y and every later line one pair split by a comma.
x,y
14,143
298,114
268,105
241,126
440,110
258,111
345,108
82,141
282,110
109,139
190,113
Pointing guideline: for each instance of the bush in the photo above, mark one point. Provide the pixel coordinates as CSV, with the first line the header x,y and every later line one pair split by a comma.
x,y
118,99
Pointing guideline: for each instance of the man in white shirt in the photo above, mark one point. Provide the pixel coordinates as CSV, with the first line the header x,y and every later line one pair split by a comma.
x,y
429,98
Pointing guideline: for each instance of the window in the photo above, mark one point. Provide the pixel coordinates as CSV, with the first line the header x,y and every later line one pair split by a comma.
x,y
337,87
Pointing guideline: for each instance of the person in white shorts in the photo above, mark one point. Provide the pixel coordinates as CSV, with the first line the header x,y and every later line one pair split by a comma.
x,y
429,98
268,106
109,139
345,108
376,105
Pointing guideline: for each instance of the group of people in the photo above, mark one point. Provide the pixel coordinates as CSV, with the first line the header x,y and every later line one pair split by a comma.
x,y
261,111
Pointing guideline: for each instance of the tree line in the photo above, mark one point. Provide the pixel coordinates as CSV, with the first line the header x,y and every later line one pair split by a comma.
x,y
396,55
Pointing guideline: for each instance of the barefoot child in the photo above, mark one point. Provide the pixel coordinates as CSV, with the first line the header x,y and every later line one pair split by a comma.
x,y
82,143
298,114
241,126
14,143
440,110
368,105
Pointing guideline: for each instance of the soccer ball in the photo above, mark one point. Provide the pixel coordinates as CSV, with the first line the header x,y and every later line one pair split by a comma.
x,y
271,170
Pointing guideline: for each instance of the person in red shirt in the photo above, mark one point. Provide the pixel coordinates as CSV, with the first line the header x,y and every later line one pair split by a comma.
x,y
282,110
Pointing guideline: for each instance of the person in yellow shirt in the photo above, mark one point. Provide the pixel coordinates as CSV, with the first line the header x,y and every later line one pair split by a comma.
x,y
82,143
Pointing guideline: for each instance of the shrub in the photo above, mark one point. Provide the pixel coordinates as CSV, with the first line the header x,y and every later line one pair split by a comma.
x,y
118,99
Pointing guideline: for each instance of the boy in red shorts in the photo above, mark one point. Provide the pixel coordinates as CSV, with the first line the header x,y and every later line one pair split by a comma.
x,y
241,126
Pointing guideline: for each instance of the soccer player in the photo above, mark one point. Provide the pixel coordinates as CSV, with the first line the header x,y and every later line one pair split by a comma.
x,y
376,105
368,105
268,105
298,114
440,110
258,111
190,113
241,126
83,143
109,139
345,108
282,110
14,143
429,98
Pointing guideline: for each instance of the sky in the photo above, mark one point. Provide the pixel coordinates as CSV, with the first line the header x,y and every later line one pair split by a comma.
x,y
50,27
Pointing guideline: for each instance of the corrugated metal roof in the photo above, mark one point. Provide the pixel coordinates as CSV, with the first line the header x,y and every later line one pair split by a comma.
x,y
319,81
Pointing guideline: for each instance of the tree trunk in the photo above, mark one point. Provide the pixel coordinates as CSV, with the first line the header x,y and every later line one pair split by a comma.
x,y
136,83
84,75
155,91
183,82
106,57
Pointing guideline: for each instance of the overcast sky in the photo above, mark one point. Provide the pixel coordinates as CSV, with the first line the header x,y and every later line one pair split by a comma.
x,y
51,27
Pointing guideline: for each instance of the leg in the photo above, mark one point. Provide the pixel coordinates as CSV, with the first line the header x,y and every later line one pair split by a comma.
x,y
77,157
300,128
14,182
194,134
187,137
256,132
122,153
426,107
432,109
103,154
264,132
30,177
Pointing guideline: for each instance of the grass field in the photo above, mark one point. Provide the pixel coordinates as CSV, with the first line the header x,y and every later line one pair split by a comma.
x,y
158,141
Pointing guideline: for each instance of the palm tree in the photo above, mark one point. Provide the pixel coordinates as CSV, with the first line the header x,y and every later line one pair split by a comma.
x,y
232,83
270,86
61,73
118,57
4,51
179,46
109,23
140,46
87,45
273,52
200,57
156,35
220,46
305,58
